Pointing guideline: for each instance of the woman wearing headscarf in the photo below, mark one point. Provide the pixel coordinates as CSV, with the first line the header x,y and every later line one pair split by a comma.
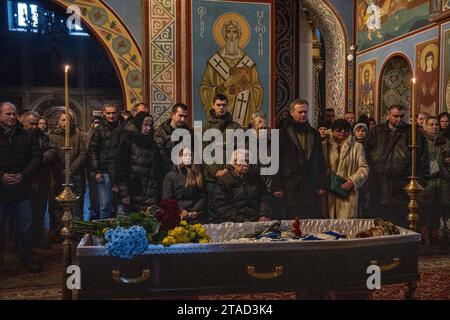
x,y
138,165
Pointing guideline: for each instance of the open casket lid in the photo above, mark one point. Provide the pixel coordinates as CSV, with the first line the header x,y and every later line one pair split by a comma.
x,y
221,234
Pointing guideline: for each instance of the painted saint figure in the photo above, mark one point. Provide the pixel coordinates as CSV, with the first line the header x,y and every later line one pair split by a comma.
x,y
447,96
373,19
367,95
428,86
230,71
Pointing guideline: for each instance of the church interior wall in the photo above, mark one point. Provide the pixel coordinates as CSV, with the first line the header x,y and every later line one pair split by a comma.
x,y
405,47
130,12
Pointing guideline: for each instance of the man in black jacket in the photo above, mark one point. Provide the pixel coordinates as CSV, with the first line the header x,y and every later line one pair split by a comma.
x,y
41,182
102,154
302,171
163,134
389,157
20,159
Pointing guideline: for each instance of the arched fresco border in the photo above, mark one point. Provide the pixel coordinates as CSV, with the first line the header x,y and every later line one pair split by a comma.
x,y
332,27
119,43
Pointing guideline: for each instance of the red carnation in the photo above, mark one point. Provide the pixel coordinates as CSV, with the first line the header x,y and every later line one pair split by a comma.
x,y
296,225
169,215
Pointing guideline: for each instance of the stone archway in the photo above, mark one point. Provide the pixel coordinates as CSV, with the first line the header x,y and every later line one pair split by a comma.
x,y
120,45
325,17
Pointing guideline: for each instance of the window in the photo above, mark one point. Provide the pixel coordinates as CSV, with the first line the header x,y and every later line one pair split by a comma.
x,y
25,17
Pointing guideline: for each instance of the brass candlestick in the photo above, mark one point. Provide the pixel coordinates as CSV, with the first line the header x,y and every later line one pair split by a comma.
x,y
67,199
413,188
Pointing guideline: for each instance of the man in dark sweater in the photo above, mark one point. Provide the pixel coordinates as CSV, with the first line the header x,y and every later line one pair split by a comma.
x,y
20,160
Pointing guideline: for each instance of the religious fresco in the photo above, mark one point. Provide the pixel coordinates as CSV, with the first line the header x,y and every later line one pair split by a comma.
x,y
367,88
446,61
445,5
427,74
395,85
379,21
231,54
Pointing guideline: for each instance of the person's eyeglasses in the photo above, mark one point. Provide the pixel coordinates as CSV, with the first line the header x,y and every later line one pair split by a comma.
x,y
340,130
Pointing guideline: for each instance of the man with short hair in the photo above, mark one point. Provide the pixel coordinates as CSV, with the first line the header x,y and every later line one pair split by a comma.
x,y
20,159
301,176
77,159
102,152
330,115
93,189
351,118
389,157
163,134
421,118
219,118
42,181
21,116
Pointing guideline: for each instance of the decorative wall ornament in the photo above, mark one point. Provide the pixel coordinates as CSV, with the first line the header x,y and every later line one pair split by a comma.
x,y
331,27
396,85
286,54
162,60
445,5
119,43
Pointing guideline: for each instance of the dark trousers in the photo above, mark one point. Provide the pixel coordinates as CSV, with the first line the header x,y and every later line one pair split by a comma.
x,y
22,213
39,207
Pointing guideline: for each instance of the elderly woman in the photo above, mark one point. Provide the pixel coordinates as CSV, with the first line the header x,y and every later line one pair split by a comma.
x,y
241,194
138,165
346,158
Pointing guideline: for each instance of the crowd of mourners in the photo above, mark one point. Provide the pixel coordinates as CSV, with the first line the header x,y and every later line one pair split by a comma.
x,y
345,169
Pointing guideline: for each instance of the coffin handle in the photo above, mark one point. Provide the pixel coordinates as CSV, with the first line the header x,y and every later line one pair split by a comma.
x,y
144,277
276,272
387,267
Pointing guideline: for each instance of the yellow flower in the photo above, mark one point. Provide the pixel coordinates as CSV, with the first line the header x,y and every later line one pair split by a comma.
x,y
168,241
204,241
183,223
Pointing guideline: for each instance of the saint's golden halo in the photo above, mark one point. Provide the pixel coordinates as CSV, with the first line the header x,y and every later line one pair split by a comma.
x,y
245,27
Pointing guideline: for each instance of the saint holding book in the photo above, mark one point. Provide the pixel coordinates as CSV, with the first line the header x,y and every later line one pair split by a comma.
x,y
231,71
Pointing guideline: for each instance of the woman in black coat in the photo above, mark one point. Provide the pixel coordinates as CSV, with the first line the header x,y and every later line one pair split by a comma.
x,y
138,165
186,184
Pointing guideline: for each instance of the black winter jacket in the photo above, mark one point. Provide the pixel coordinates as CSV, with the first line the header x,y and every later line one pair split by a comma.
x,y
189,199
301,174
19,153
138,168
389,157
103,147
241,199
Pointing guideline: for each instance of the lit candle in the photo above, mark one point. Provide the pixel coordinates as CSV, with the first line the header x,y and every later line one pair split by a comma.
x,y
413,111
66,92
